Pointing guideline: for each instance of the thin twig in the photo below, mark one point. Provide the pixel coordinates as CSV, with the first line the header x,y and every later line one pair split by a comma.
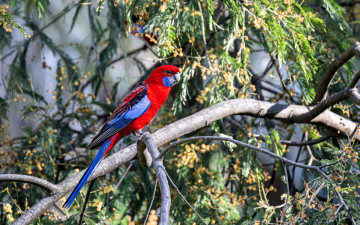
x,y
311,199
151,203
118,184
282,82
81,215
262,150
284,160
285,142
288,192
127,54
182,196
63,13
124,174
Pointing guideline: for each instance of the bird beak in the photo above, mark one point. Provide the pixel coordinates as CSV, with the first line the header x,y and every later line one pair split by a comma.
x,y
177,77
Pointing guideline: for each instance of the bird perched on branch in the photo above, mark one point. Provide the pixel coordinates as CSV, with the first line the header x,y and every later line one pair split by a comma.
x,y
135,112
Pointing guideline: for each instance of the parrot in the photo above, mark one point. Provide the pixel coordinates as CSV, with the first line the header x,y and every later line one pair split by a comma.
x,y
134,113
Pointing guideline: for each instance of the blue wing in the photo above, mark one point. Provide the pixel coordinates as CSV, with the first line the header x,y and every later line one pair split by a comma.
x,y
134,105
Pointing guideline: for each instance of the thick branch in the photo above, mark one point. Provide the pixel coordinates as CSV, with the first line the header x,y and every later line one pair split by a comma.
x,y
331,71
330,101
37,210
161,176
198,120
355,96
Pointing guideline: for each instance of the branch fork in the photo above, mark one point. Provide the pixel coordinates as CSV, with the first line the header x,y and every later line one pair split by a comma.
x,y
147,140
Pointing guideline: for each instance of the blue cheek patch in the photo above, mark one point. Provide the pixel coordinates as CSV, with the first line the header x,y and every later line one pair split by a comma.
x,y
168,81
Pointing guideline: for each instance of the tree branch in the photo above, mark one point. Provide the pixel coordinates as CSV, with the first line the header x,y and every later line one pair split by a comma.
x,y
242,144
327,77
330,101
81,216
31,180
151,203
285,142
274,155
354,95
161,176
181,127
126,54
182,196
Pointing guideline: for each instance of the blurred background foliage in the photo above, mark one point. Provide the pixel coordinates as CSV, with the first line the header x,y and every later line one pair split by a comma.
x,y
65,65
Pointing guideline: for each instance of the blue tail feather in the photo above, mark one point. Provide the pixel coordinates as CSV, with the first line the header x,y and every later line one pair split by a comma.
x,y
89,172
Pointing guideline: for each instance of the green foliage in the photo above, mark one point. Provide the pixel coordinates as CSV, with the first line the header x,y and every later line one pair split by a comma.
x,y
7,24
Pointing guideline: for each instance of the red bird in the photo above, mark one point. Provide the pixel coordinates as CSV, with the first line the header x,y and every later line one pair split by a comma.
x,y
134,113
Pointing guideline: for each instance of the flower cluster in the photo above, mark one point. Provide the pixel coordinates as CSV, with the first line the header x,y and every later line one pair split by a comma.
x,y
8,23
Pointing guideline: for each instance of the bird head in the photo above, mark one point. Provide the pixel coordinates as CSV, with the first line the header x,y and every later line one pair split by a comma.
x,y
164,76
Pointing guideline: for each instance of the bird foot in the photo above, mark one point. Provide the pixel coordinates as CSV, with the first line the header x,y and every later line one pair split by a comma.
x,y
138,133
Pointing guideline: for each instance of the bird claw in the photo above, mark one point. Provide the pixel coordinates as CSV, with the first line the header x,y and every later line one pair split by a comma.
x,y
138,133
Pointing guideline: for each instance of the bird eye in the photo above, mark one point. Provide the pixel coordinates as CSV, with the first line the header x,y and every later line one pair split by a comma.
x,y
168,72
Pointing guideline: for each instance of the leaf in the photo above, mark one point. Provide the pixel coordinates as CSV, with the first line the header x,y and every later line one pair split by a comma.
x,y
78,8
228,144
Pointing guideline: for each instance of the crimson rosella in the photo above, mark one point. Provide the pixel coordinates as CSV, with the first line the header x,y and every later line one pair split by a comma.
x,y
134,113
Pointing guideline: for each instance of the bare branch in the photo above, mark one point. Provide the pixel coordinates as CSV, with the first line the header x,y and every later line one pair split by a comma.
x,y
127,54
283,213
330,101
124,174
151,203
37,210
309,142
181,127
285,142
182,196
355,79
31,180
282,159
327,77
354,95
161,176
81,215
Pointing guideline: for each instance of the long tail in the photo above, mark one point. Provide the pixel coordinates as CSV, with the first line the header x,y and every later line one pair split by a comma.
x,y
106,146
